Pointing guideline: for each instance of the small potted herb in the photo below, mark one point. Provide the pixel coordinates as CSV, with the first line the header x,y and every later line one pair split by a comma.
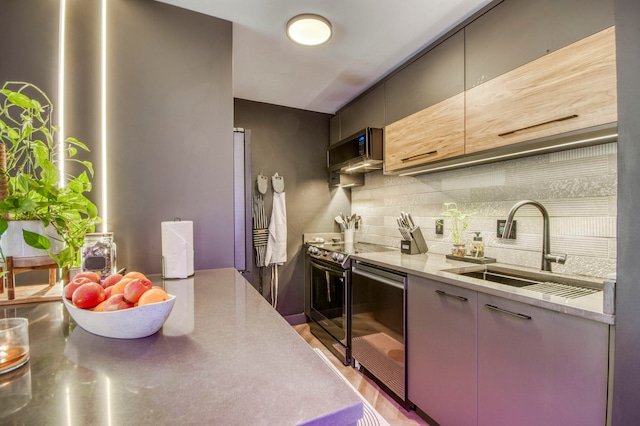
x,y
31,185
457,223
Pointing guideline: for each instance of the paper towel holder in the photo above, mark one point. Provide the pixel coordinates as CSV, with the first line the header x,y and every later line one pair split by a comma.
x,y
163,277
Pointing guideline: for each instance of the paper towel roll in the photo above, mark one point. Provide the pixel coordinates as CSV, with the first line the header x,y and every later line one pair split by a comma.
x,y
177,249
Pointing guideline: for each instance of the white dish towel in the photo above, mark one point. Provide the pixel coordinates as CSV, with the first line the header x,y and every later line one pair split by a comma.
x,y
277,242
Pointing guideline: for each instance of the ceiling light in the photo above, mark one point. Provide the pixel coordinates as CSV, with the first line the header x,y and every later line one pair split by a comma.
x,y
309,29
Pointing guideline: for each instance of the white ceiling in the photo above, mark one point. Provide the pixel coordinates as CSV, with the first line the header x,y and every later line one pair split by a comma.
x,y
371,38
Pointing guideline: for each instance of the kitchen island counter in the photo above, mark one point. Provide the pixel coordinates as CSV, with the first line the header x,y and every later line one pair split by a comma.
x,y
224,356
434,266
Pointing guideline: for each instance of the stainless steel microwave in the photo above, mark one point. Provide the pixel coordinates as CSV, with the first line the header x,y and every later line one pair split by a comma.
x,y
361,152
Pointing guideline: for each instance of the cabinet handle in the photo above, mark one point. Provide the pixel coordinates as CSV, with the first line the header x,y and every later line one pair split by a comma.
x,y
568,117
504,311
424,154
443,293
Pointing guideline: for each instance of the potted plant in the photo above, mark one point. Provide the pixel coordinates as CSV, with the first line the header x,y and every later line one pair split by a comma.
x,y
457,223
31,185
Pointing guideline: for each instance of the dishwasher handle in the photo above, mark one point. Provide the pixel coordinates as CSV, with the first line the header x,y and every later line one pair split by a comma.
x,y
379,278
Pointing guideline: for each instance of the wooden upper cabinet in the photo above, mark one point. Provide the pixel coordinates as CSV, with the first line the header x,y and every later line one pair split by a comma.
x,y
435,133
570,89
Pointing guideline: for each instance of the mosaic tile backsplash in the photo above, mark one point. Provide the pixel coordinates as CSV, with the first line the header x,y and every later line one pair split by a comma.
x,y
577,187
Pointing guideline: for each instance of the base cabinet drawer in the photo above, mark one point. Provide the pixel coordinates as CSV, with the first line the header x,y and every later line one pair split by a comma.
x,y
539,367
441,350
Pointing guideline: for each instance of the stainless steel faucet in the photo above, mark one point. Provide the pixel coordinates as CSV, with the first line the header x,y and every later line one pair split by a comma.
x,y
547,257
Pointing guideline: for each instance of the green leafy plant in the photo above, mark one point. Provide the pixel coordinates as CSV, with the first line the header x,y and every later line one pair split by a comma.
x,y
457,221
35,189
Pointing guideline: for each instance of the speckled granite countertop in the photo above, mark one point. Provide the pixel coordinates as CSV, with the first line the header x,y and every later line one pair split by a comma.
x,y
433,266
224,357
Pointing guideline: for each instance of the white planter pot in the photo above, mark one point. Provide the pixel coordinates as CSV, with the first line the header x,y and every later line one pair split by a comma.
x,y
12,241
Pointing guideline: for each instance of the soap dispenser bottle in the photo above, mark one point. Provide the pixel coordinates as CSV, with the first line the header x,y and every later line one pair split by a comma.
x,y
477,246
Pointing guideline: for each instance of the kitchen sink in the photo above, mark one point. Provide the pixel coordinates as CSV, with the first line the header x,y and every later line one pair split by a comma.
x,y
542,282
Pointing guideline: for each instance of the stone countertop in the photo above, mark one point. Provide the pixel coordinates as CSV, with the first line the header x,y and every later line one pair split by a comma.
x,y
433,266
224,357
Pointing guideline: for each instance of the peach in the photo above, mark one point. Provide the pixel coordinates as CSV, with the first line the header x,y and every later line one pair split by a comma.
x,y
107,292
115,303
135,274
120,285
88,295
134,289
153,295
93,276
73,286
111,280
99,306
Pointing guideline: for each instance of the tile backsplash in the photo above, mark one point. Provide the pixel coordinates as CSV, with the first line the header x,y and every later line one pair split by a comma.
x,y
578,188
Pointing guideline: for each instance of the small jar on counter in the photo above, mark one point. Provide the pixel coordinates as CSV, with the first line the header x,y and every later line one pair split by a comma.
x,y
99,253
477,246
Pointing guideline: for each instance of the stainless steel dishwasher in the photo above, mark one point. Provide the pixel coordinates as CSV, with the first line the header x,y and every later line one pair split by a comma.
x,y
378,326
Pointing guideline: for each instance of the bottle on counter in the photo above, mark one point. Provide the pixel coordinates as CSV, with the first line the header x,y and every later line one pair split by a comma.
x,y
477,246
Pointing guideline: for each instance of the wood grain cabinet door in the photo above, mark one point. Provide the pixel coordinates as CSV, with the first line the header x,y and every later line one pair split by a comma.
x,y
570,89
435,133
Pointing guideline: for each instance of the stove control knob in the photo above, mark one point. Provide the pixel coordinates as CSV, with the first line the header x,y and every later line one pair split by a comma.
x,y
325,253
338,257
313,250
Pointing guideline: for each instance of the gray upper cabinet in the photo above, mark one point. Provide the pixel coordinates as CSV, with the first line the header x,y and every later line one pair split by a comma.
x,y
435,76
516,32
367,111
334,130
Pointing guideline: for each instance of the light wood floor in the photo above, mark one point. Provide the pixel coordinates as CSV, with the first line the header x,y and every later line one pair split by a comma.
x,y
385,405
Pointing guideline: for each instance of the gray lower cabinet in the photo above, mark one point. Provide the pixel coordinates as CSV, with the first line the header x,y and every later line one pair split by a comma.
x,y
441,350
539,367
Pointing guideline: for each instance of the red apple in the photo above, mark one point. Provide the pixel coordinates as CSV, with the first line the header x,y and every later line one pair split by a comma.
x,y
73,285
88,295
135,289
115,303
111,280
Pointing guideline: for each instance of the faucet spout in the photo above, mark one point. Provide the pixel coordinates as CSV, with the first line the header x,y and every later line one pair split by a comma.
x,y
547,257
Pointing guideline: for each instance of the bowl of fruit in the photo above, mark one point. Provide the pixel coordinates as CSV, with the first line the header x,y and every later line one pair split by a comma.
x,y
118,306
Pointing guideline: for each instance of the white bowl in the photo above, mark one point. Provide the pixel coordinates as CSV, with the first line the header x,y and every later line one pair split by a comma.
x,y
132,323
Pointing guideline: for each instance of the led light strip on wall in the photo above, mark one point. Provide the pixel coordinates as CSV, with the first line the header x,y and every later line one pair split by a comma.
x,y
103,89
61,58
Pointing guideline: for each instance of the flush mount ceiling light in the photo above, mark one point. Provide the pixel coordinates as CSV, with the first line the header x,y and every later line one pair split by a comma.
x,y
309,29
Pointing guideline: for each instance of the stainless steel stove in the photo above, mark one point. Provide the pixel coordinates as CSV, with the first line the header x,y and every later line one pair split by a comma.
x,y
328,292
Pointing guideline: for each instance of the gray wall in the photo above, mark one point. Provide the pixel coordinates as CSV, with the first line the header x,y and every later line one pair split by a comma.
x,y
293,143
170,114
626,385
170,130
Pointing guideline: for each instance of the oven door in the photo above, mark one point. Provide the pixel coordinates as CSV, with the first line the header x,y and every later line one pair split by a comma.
x,y
329,307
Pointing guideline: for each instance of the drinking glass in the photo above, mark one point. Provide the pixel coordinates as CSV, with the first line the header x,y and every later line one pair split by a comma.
x,y
14,343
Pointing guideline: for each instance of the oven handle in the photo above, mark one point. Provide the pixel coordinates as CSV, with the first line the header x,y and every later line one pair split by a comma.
x,y
378,278
326,269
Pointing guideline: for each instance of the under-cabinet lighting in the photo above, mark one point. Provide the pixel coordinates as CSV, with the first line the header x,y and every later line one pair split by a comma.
x,y
350,169
347,185
513,154
309,29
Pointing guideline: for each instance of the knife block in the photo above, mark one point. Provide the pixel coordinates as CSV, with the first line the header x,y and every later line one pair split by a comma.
x,y
409,247
416,245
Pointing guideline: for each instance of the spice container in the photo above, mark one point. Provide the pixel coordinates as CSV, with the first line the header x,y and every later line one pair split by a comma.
x,y
99,253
